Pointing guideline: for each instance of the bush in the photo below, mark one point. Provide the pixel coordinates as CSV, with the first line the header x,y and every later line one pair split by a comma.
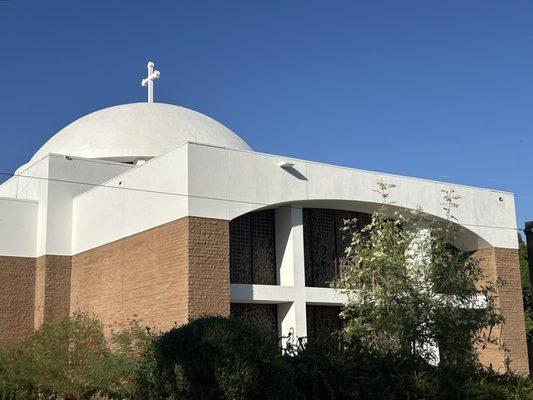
x,y
323,371
214,358
72,359
353,371
489,385
219,358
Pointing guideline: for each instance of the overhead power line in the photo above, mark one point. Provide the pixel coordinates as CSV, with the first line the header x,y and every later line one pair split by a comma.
x,y
101,185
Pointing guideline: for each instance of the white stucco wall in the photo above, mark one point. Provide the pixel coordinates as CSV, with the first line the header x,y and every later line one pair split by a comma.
x,y
18,227
69,178
52,182
142,198
226,183
214,182
32,184
209,181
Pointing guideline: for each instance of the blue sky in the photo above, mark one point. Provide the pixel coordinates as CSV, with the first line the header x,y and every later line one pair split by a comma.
x,y
434,89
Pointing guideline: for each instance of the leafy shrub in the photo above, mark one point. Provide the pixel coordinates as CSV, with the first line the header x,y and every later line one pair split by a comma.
x,y
218,358
214,358
322,372
489,385
72,359
354,371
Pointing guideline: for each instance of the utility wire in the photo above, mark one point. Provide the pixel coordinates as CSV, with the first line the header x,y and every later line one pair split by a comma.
x,y
121,187
100,185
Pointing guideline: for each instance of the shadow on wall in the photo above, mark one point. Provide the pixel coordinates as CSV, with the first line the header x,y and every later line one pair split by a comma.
x,y
294,172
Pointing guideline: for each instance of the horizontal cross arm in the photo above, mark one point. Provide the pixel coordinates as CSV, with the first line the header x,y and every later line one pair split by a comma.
x,y
154,75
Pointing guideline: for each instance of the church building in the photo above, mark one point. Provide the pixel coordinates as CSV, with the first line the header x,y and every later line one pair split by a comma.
x,y
158,213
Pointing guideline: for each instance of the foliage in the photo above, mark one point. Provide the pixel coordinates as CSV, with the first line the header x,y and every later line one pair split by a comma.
x,y
217,358
354,371
526,293
10,394
73,359
409,289
321,371
214,358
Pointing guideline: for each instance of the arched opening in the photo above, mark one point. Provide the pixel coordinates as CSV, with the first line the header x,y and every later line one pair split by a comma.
x,y
284,258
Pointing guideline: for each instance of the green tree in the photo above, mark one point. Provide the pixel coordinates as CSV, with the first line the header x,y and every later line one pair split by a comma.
x,y
410,290
526,293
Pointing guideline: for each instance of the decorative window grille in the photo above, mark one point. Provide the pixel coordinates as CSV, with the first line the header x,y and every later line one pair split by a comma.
x,y
319,246
323,322
253,248
324,243
240,250
262,316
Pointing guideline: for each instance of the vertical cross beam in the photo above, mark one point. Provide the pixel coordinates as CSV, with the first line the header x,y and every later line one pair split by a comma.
x,y
149,80
150,67
291,272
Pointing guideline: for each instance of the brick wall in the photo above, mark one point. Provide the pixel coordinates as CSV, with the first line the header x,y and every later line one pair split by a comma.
x,y
180,271
52,288
17,285
39,289
162,276
500,263
139,277
209,290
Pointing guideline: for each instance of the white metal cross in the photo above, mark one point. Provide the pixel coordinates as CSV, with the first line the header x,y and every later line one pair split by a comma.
x,y
149,81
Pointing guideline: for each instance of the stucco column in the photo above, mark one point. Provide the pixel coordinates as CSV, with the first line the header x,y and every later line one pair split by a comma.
x,y
291,270
290,247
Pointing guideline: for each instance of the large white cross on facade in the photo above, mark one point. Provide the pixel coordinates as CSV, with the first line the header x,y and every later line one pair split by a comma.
x,y
290,294
149,81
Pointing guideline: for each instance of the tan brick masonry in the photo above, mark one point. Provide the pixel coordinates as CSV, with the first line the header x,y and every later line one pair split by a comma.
x,y
162,276
209,287
52,288
180,271
503,264
17,286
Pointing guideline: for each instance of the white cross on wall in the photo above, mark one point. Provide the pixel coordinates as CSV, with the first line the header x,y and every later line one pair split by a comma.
x,y
149,81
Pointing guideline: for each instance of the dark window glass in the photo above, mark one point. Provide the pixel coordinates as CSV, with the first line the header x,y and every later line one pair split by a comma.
x,y
253,248
323,322
324,243
240,250
262,316
319,246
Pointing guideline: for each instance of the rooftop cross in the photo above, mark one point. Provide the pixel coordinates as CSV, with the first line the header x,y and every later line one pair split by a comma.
x,y
149,81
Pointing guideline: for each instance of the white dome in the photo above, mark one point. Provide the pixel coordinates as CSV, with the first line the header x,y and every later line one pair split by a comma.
x,y
130,132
